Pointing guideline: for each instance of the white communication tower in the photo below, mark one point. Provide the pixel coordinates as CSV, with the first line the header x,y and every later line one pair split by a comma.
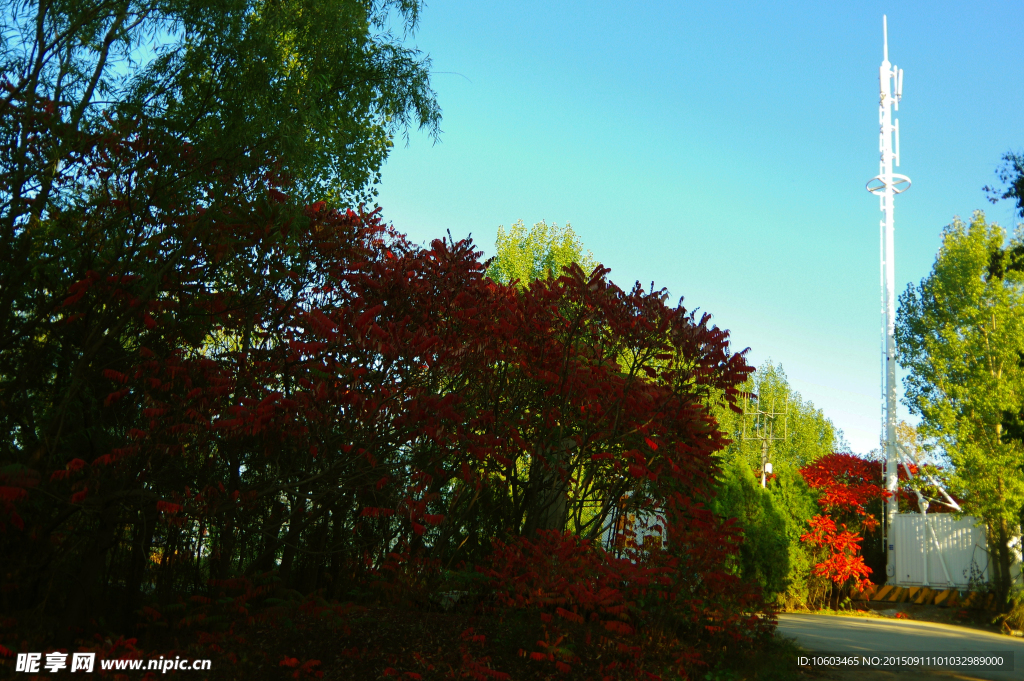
x,y
886,185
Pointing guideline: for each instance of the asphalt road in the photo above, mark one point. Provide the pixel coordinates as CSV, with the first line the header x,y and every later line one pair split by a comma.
x,y
864,636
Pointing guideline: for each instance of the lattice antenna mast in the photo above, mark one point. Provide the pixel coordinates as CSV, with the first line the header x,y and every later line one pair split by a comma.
x,y
887,185
763,428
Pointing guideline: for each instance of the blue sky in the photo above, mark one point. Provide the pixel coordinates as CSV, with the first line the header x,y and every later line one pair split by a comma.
x,y
721,151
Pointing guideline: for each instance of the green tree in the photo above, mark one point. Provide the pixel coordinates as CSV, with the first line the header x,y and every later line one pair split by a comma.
x,y
805,433
129,131
796,504
782,563
960,336
314,88
764,557
535,254
1011,175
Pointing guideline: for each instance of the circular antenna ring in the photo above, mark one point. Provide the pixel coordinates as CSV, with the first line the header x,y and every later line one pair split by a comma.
x,y
899,183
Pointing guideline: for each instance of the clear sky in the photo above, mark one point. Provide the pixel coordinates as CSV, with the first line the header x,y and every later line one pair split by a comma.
x,y
721,150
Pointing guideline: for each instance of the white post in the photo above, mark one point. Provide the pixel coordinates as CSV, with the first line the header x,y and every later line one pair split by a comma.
x,y
888,185
764,462
924,540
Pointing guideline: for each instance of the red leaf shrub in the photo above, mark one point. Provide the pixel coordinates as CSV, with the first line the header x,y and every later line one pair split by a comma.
x,y
846,485
274,386
585,585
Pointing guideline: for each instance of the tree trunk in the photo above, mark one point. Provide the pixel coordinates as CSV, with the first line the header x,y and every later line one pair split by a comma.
x,y
220,566
1002,581
168,566
1004,559
317,562
291,541
548,498
85,594
142,542
272,530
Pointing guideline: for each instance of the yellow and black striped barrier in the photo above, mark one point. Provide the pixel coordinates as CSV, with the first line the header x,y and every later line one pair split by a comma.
x,y
922,595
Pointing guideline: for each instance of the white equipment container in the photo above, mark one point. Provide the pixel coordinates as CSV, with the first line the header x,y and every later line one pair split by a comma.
x,y
937,550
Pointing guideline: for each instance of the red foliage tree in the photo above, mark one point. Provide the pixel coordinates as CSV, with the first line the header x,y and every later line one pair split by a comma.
x,y
850,490
846,485
203,387
636,605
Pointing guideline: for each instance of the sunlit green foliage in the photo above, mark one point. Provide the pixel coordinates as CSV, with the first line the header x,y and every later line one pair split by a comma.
x,y
542,251
764,557
801,432
773,518
314,88
960,335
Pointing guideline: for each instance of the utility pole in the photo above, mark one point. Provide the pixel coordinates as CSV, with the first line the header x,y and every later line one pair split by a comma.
x,y
886,185
763,429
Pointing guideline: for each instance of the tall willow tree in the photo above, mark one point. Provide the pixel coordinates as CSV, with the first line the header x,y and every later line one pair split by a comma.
x,y
960,336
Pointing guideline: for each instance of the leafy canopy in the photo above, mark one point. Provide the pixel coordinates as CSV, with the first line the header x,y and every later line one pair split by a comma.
x,y
805,433
542,251
316,87
1011,175
774,519
204,380
960,336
